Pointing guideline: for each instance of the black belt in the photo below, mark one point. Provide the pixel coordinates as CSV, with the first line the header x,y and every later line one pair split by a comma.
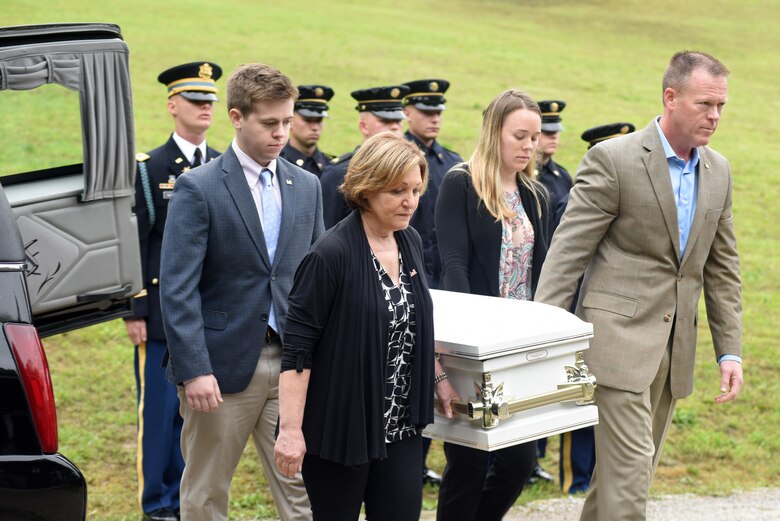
x,y
270,335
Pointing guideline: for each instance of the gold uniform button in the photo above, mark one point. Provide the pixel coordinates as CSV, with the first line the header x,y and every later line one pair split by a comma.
x,y
667,318
155,281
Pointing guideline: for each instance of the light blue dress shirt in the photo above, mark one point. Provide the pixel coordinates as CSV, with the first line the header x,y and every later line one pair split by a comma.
x,y
684,176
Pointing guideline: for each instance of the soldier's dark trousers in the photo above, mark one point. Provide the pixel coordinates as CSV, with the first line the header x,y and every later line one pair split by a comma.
x,y
159,459
578,459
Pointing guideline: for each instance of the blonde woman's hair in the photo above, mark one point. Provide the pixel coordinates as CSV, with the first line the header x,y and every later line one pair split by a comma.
x,y
485,163
381,163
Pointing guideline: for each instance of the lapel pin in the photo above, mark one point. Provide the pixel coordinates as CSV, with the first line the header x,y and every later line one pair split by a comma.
x,y
706,165
413,272
178,160
288,181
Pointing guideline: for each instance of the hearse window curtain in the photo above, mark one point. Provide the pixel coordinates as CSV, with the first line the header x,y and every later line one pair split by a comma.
x,y
102,78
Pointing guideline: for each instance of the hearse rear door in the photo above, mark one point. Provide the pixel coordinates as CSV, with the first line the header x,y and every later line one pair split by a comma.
x,y
71,185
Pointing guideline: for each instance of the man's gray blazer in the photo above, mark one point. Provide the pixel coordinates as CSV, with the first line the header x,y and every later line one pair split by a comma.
x,y
216,280
620,230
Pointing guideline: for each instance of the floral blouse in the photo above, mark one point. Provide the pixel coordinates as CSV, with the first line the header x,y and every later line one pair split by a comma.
x,y
517,252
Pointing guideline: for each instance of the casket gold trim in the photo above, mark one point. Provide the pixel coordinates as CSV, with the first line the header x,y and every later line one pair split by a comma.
x,y
490,407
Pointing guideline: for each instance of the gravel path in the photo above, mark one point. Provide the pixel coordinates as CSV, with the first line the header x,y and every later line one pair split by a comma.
x,y
755,505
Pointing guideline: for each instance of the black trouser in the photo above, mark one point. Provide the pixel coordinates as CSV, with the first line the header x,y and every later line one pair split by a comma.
x,y
482,486
390,487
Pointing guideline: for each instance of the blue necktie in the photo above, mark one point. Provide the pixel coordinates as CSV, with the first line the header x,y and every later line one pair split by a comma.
x,y
272,218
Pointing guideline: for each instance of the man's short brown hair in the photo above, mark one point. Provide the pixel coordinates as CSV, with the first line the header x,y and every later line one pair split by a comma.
x,y
381,163
255,82
684,63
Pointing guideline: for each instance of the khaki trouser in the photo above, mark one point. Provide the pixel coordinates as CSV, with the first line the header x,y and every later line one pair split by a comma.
x,y
629,439
212,444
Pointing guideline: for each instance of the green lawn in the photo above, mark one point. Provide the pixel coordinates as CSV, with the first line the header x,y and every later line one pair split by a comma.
x,y
605,58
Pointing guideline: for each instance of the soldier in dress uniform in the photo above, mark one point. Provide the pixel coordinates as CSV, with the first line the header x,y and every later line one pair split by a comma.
x,y
423,107
578,449
381,110
558,182
191,91
553,176
311,108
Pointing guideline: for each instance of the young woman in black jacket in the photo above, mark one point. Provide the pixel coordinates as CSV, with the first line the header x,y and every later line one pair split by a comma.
x,y
491,225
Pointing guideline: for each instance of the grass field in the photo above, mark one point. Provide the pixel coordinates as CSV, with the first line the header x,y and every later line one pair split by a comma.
x,y
605,58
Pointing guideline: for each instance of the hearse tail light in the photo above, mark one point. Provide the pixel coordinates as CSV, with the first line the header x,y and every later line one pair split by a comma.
x,y
34,370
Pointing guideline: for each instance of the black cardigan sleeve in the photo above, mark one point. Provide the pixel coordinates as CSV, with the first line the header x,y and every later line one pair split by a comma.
x,y
310,305
452,231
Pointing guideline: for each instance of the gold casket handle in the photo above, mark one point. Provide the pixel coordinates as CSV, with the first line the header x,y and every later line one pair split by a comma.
x,y
580,387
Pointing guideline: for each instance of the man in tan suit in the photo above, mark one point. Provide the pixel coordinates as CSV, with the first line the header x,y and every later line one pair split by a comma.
x,y
649,225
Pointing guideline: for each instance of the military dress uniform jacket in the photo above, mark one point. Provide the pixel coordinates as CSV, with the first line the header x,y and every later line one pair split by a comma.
x,y
163,165
557,180
334,206
440,160
314,164
620,230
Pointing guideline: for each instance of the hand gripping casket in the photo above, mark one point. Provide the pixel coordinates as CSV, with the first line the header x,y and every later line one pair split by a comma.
x,y
517,366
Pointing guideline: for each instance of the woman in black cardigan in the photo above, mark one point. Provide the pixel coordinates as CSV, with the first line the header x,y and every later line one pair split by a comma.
x,y
358,371
491,225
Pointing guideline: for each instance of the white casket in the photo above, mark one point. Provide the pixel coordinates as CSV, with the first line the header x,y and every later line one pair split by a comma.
x,y
517,366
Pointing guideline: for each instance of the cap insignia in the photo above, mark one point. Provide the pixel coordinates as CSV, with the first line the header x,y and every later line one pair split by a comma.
x,y
362,107
434,86
204,71
395,93
554,107
319,92
624,129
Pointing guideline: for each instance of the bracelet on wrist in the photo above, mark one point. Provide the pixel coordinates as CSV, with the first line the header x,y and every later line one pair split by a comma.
x,y
440,378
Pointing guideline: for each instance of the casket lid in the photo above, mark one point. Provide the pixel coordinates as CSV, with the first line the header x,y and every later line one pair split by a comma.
x,y
481,327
